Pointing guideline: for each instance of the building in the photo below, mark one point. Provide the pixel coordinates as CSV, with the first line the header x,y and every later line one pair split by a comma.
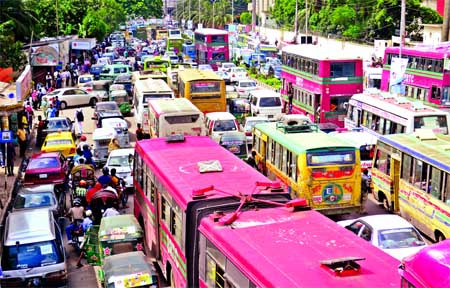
x,y
262,10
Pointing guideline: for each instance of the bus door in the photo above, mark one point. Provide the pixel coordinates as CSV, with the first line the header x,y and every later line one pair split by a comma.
x,y
395,176
317,101
155,248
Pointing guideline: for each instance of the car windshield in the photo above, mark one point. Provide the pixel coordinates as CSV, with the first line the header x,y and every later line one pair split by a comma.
x,y
45,162
84,79
57,124
269,102
36,200
119,161
248,84
250,124
57,142
106,106
224,125
399,238
31,255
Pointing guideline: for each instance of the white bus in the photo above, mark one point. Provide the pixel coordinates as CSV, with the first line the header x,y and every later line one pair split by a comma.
x,y
383,113
145,90
175,116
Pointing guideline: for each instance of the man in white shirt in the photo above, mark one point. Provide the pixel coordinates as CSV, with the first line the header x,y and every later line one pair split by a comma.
x,y
111,211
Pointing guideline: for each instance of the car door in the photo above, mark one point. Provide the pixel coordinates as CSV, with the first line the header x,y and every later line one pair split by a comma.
x,y
67,96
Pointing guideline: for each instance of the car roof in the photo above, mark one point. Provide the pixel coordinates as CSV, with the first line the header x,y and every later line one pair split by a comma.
x,y
264,93
45,155
28,226
121,152
59,135
385,221
220,116
37,188
57,119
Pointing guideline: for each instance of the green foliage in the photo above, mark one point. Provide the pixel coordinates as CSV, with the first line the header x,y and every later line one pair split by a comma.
x,y
221,15
94,26
11,54
246,18
358,20
143,8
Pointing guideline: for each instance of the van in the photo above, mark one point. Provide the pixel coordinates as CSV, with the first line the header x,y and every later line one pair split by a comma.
x,y
110,72
265,103
33,251
219,122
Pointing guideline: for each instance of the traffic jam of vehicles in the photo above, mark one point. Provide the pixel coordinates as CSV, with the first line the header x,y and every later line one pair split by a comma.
x,y
170,162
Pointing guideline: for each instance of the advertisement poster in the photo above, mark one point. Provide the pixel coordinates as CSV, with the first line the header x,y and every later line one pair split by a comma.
x,y
397,76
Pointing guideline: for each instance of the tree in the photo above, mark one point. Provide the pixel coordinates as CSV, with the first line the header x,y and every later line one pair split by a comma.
x,y
143,8
94,26
11,54
22,18
246,18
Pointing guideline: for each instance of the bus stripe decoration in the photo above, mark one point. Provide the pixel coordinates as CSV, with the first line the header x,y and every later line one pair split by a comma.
x,y
174,252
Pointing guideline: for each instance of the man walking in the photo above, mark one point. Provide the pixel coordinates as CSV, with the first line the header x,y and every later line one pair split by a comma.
x,y
365,189
79,118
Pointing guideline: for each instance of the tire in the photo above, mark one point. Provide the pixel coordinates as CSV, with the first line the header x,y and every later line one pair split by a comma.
x,y
63,105
386,204
439,236
92,102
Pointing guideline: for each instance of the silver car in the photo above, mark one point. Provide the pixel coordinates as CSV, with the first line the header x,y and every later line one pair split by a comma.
x,y
72,97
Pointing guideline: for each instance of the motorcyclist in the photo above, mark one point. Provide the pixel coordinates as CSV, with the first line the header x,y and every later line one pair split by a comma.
x,y
117,183
105,179
87,222
76,215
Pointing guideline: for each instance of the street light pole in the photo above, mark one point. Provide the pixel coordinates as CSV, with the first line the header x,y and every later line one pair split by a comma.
x,y
402,27
296,21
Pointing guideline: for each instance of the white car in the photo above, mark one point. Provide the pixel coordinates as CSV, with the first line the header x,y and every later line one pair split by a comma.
x,y
226,66
72,97
243,87
224,75
238,73
205,67
391,233
122,161
248,125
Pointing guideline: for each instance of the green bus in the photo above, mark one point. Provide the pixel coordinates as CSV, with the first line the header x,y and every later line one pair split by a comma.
x,y
310,164
175,44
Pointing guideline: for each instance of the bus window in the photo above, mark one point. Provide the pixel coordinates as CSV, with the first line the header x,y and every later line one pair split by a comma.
x,y
407,168
447,189
382,161
435,187
420,174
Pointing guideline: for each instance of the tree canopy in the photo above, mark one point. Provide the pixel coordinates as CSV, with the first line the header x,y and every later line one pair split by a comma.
x,y
356,19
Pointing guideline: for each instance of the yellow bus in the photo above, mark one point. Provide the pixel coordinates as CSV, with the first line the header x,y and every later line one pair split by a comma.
x,y
310,164
157,63
411,176
205,89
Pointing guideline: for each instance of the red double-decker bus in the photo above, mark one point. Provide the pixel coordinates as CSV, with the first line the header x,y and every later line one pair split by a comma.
x,y
211,46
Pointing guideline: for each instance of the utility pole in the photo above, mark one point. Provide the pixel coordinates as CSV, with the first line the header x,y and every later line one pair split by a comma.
x,y
253,15
189,10
296,21
402,27
306,19
214,12
446,23
198,13
232,11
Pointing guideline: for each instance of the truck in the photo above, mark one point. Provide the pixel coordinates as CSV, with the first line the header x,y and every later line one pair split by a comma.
x,y
254,59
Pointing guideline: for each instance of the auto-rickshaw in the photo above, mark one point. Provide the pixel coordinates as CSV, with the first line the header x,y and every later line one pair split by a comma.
x,y
240,108
125,80
118,94
101,88
131,269
115,235
101,138
121,127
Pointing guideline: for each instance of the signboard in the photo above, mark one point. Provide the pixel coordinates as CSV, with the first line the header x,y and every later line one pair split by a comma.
x,y
23,84
45,56
83,44
397,75
6,136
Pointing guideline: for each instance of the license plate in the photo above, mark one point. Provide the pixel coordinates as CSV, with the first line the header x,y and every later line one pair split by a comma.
x,y
270,116
43,176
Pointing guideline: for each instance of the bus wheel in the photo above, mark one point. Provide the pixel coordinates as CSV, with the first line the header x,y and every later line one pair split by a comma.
x,y
439,236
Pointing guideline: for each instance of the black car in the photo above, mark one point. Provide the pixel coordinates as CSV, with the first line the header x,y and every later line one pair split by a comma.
x,y
55,124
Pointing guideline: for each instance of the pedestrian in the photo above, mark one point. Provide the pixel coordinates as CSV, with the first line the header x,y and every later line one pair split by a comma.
x,y
34,98
48,80
40,127
51,112
10,158
252,160
67,77
365,189
24,120
88,155
58,81
43,105
79,118
139,132
22,137
57,106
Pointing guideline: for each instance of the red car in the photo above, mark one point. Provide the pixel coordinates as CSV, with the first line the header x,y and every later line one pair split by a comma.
x,y
46,168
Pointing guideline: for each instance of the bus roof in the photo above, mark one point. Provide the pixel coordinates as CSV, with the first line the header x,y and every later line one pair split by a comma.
x,y
438,51
276,247
394,104
358,138
211,31
176,164
322,52
165,106
196,74
430,267
427,146
152,85
297,143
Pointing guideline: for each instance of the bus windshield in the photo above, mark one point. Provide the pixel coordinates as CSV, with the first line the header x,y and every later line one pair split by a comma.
x,y
431,122
330,158
182,119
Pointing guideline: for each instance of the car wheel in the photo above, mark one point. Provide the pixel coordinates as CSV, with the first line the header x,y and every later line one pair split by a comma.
x,y
92,102
63,105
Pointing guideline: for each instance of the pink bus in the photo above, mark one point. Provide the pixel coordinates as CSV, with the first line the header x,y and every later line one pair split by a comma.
x,y
430,267
321,80
211,46
279,247
179,181
427,76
